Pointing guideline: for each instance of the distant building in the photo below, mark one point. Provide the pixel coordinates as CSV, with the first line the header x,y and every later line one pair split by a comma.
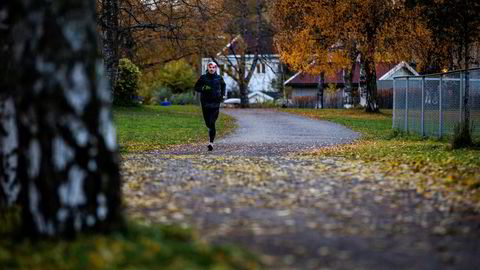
x,y
305,86
266,69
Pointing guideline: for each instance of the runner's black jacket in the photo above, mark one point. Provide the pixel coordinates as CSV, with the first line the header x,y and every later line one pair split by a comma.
x,y
212,89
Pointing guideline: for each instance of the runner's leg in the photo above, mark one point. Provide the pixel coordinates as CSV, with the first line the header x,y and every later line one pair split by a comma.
x,y
206,116
213,118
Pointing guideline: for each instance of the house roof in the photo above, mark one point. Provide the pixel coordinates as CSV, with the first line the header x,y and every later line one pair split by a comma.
x,y
258,93
403,64
382,69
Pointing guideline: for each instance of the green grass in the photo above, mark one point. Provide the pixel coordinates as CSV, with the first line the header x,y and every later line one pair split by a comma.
x,y
146,128
138,247
457,169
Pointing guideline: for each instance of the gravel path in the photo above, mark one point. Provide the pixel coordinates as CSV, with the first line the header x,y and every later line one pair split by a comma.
x,y
264,132
300,212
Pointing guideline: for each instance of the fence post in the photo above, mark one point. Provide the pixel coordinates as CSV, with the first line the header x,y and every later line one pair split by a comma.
x,y
440,111
393,111
406,105
422,114
461,97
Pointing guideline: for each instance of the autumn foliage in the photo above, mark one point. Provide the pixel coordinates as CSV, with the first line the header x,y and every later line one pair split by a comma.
x,y
325,36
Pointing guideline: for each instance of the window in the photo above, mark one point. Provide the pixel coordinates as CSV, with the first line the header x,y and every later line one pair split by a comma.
x,y
258,68
263,68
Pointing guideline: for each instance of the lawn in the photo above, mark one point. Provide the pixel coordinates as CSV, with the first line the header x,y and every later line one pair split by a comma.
x,y
455,170
146,128
139,247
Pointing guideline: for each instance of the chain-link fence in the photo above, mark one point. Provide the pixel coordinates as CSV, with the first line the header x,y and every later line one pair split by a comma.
x,y
433,105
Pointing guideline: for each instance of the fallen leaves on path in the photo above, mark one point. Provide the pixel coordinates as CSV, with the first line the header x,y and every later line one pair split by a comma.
x,y
277,205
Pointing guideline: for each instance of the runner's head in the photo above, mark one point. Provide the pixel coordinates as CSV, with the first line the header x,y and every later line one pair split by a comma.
x,y
212,67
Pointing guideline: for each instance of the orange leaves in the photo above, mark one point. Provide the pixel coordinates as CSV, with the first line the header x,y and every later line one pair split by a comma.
x,y
321,31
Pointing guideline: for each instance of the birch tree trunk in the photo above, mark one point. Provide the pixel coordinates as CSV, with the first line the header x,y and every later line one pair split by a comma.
x,y
362,89
348,75
320,92
9,185
67,152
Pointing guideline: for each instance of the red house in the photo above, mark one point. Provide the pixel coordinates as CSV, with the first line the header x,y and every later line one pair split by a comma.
x,y
305,86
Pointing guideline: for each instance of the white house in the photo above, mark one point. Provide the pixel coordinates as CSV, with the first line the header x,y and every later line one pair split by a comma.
x,y
266,69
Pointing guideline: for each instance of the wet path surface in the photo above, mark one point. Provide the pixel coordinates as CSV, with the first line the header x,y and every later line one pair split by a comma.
x,y
264,133
300,212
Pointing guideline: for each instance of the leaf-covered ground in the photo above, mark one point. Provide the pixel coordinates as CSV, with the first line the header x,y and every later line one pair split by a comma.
x,y
305,211
455,172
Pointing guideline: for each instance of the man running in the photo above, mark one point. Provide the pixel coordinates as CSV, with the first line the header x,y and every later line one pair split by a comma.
x,y
212,89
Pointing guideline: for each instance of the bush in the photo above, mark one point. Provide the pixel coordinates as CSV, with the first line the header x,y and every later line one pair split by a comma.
x,y
128,83
148,99
183,99
179,76
161,93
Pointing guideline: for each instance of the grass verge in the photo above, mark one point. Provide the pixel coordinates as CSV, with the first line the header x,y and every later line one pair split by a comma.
x,y
456,170
138,247
146,128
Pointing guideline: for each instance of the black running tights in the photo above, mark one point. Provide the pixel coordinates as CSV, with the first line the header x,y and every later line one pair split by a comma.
x,y
210,116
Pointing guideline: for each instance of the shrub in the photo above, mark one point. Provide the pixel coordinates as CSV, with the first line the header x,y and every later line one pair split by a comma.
x,y
179,76
128,82
161,93
183,99
148,99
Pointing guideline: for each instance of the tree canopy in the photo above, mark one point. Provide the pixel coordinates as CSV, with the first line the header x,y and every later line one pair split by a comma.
x,y
324,36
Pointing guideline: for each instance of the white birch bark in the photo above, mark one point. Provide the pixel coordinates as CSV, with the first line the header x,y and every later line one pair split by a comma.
x,y
65,133
9,152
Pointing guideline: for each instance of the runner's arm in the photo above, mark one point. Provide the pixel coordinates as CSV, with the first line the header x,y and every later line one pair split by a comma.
x,y
222,86
199,84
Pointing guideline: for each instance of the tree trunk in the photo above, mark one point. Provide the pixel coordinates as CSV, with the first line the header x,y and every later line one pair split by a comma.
x,y
320,87
110,40
9,185
371,84
70,178
243,93
466,96
242,82
348,76
362,86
